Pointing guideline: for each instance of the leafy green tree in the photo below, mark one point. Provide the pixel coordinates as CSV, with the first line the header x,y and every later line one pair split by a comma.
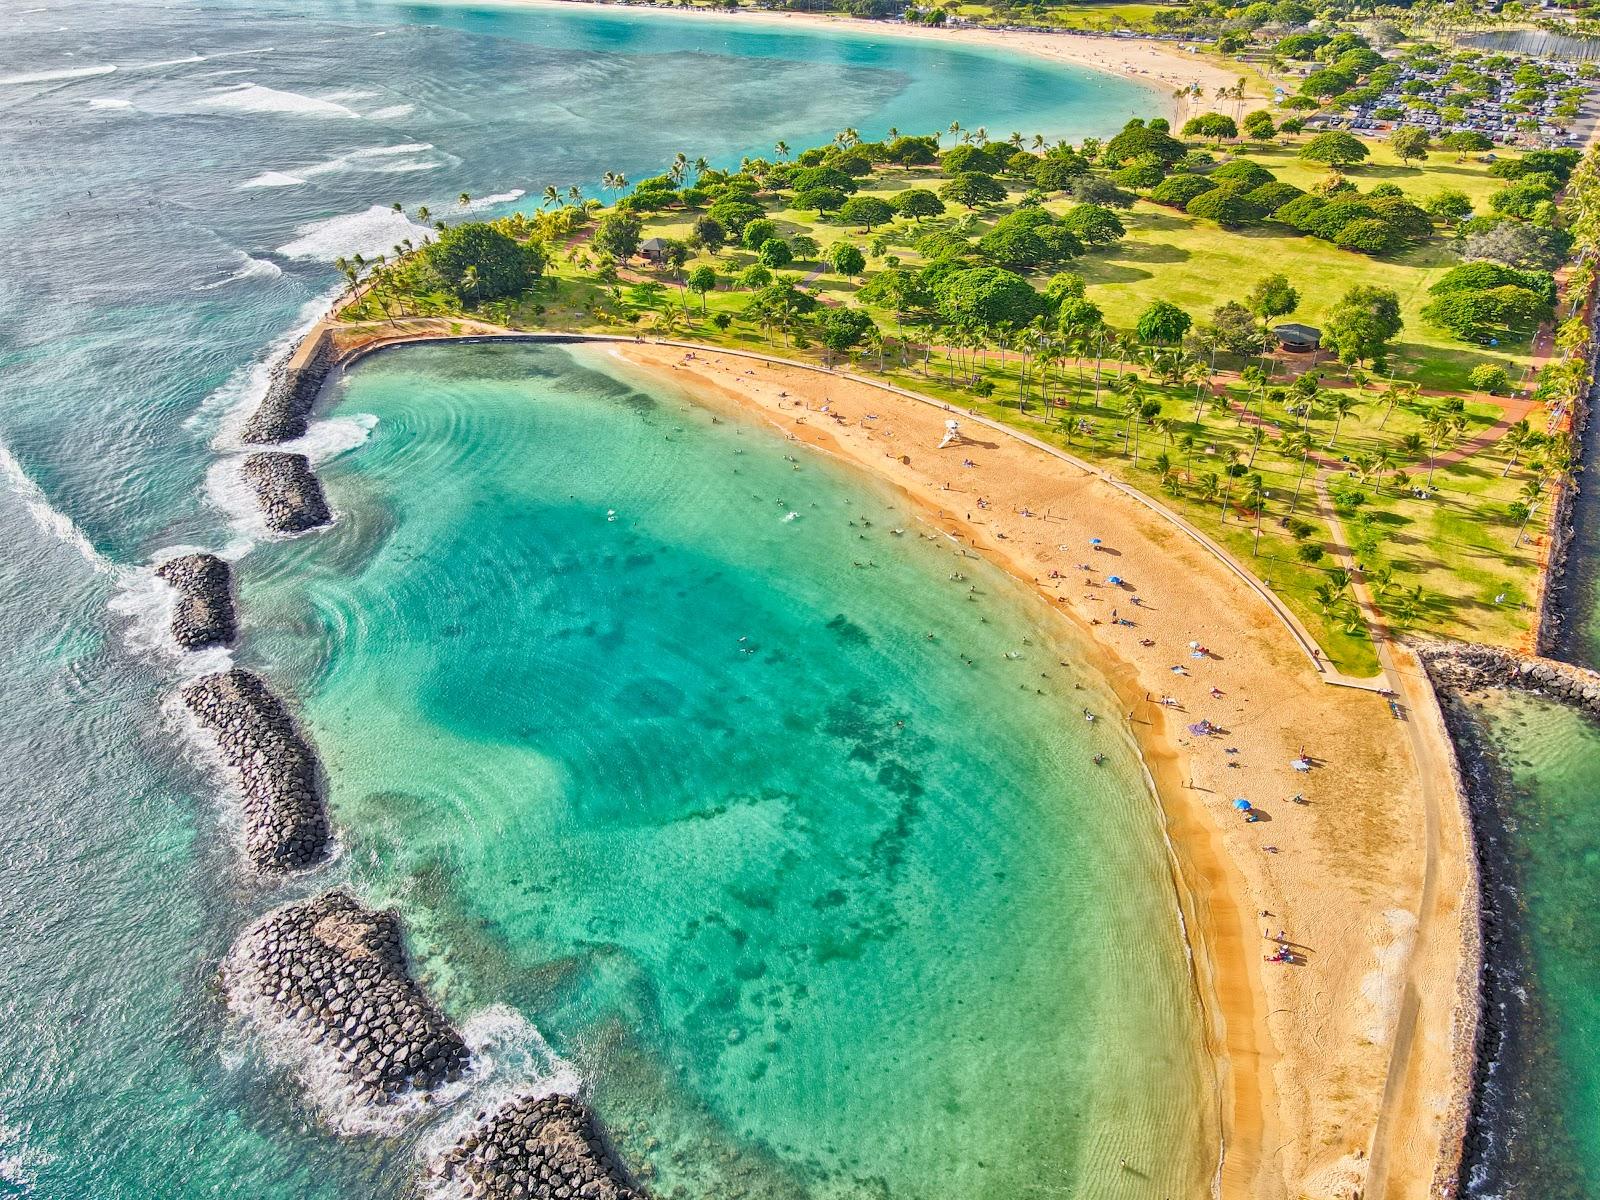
x,y
755,277
1363,323
478,261
1334,147
847,259
1093,225
967,158
775,253
844,328
1177,190
1258,125
918,203
1162,324
866,211
987,296
1056,172
1215,126
702,279
758,233
1223,207
1467,141
1450,206
820,200
1272,296
973,188
1369,235
1138,140
734,212
709,233
1410,143
1487,377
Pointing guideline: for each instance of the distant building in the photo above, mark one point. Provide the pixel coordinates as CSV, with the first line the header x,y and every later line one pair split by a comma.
x,y
655,249
1298,339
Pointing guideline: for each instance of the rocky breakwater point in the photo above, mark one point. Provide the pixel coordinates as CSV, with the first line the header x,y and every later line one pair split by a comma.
x,y
291,394
1465,667
285,826
331,974
287,491
547,1148
204,614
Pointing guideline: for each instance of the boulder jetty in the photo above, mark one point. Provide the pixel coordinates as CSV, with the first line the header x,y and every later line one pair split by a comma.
x,y
547,1146
286,490
333,976
286,828
204,613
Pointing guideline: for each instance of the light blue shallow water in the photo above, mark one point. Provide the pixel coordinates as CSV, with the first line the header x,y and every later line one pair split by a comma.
x,y
163,222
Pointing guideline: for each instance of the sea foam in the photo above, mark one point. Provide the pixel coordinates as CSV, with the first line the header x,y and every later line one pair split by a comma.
x,y
51,520
254,98
369,233
57,76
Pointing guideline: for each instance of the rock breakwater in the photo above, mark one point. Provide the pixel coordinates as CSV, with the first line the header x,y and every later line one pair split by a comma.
x,y
286,828
204,614
285,410
286,490
1464,667
545,1147
332,974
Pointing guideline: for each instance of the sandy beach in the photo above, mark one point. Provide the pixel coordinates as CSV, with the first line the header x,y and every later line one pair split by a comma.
x,y
1330,1064
1163,65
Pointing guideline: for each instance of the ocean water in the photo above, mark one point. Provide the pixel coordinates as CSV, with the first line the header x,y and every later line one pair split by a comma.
x,y
1545,1091
178,176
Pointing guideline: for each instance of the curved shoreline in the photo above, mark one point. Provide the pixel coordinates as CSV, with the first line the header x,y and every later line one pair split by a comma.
x,y
1244,1019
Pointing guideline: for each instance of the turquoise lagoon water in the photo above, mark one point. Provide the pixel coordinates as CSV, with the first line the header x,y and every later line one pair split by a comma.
x,y
1544,1095
178,176
691,749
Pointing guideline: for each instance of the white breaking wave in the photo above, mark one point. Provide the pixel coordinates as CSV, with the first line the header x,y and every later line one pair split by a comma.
x,y
239,395
147,602
272,179
393,113
58,75
351,160
52,521
483,202
254,98
166,62
406,167
110,102
342,96
332,437
368,233
510,1059
251,268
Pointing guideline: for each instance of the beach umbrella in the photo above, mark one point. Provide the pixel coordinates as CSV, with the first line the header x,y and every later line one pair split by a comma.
x,y
1115,579
1094,541
1242,804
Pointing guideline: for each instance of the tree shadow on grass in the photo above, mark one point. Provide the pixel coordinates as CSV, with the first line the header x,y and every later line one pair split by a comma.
x,y
1152,252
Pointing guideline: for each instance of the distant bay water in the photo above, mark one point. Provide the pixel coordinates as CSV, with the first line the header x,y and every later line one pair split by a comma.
x,y
178,177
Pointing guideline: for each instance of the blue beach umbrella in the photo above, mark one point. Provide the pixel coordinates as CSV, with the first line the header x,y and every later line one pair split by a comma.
x,y
1094,541
1242,804
1114,579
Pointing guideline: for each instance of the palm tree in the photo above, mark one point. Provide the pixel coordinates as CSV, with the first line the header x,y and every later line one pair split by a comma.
x,y
1516,440
1298,441
1199,374
1343,404
575,196
781,149
551,196
464,199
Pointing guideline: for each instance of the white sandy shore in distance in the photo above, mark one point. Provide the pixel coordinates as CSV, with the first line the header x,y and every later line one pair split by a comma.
x,y
1162,65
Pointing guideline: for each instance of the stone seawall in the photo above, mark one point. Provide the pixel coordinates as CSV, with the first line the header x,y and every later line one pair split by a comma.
x,y
1504,1005
546,1147
287,491
334,975
1463,667
292,392
204,614
1577,507
285,826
